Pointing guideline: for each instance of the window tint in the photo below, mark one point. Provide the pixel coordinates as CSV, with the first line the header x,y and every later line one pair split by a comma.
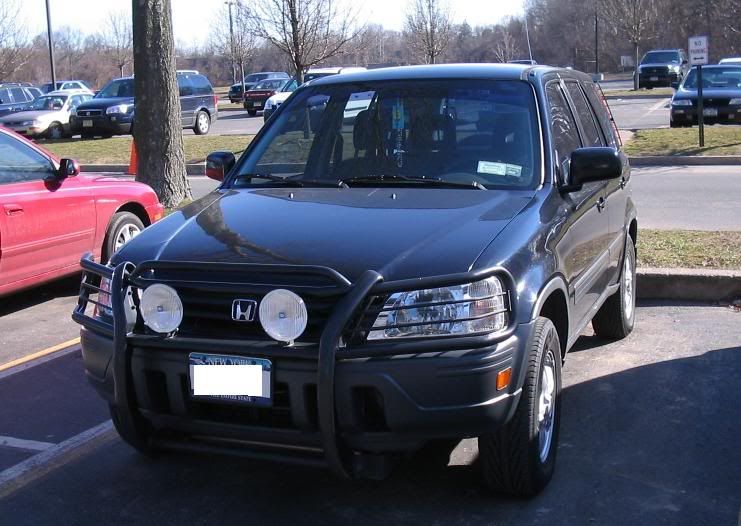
x,y
184,86
563,126
592,136
117,88
201,85
599,105
19,162
18,95
5,96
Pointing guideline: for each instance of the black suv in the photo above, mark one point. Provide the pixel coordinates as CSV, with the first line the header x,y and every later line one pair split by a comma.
x,y
111,111
662,67
400,255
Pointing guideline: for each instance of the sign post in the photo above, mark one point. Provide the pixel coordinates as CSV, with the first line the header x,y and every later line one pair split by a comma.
x,y
698,50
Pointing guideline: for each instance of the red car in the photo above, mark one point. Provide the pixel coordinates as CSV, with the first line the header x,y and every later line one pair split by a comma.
x,y
50,214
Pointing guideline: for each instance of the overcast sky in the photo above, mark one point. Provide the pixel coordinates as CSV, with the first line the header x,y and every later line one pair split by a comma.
x,y
191,18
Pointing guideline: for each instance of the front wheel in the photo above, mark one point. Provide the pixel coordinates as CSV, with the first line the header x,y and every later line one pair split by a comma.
x,y
123,228
519,459
203,123
55,131
252,113
616,317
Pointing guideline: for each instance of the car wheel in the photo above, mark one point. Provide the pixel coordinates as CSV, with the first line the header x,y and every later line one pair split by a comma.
x,y
616,317
203,123
519,459
134,431
123,228
55,131
252,113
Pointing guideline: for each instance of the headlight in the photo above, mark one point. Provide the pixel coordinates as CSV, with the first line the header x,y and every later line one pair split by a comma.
x,y
119,108
161,308
735,102
103,307
31,123
472,308
682,102
283,315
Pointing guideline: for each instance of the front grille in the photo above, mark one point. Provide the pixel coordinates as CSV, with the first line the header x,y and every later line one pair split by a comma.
x,y
661,70
89,113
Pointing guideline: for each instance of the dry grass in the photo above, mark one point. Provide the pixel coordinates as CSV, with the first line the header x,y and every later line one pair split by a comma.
x,y
689,249
629,93
719,140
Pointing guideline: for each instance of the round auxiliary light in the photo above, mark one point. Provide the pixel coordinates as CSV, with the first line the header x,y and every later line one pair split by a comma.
x,y
161,308
283,315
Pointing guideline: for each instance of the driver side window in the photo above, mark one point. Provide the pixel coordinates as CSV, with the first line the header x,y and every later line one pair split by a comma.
x,y
20,163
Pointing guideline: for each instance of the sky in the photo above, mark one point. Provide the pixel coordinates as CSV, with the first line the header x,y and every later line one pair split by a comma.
x,y
191,18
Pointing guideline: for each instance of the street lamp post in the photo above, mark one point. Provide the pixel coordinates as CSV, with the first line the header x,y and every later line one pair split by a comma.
x,y
231,40
51,47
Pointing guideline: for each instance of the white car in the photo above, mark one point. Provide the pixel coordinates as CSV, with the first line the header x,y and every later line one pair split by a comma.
x,y
730,60
48,115
315,73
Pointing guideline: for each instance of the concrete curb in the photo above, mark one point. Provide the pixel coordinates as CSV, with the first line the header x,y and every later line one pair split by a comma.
x,y
686,160
191,169
688,284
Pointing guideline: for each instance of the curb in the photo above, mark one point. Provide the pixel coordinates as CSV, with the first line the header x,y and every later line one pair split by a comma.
x,y
688,284
191,169
686,160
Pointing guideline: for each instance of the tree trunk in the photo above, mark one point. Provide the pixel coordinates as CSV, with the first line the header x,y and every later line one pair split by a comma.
x,y
158,132
635,66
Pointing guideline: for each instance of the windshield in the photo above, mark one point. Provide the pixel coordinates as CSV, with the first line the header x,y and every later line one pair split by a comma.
x,y
468,132
53,102
271,84
660,57
715,77
116,89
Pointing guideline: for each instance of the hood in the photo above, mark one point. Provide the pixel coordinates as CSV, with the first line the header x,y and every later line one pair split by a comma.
x,y
708,93
42,115
100,104
400,232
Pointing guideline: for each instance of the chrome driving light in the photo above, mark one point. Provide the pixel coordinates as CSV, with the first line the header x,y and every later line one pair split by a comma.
x,y
161,308
283,315
471,308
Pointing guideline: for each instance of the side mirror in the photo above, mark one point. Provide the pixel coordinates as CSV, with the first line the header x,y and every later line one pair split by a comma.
x,y
684,61
593,164
675,85
218,164
68,168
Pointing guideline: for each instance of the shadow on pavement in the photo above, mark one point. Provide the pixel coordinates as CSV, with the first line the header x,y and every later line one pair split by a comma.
x,y
26,298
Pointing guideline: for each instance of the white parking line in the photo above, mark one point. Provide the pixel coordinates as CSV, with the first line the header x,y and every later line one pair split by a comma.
x,y
26,445
15,477
661,104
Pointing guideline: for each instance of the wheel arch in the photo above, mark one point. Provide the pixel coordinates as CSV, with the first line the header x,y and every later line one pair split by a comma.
x,y
136,209
552,303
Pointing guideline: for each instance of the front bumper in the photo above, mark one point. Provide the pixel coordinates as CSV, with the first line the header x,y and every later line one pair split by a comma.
x,y
687,115
330,404
657,79
114,124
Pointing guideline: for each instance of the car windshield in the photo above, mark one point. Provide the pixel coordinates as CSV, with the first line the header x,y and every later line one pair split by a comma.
x,y
716,78
116,89
475,133
270,84
48,102
255,77
660,57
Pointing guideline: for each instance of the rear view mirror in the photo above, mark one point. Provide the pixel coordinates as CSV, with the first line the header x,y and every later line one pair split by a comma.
x,y
218,164
68,168
594,164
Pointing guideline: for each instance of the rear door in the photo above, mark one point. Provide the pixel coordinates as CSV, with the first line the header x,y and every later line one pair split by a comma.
x,y
188,101
203,93
45,225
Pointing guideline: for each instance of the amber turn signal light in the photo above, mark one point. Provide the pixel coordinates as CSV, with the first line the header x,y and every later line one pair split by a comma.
x,y
503,378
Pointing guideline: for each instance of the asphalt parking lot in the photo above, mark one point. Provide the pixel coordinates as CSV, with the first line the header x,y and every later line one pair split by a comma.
x,y
648,437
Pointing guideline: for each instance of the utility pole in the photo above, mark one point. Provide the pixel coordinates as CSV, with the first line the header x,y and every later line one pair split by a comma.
x,y
231,40
51,48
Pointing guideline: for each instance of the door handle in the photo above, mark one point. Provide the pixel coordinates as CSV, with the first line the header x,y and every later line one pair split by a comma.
x,y
13,209
601,203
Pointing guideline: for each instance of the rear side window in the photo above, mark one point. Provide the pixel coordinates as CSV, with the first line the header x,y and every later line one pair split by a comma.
x,y
5,96
599,105
184,86
563,126
592,136
201,85
18,95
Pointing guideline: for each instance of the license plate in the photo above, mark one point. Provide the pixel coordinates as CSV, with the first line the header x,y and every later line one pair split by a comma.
x,y
654,79
87,123
258,104
710,112
230,378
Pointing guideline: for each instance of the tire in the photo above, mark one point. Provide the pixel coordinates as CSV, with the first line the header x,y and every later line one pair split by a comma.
x,y
55,131
134,431
123,227
519,458
202,123
252,113
616,317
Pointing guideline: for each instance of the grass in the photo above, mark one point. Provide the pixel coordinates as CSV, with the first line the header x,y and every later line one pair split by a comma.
x,y
629,93
689,249
684,141
117,150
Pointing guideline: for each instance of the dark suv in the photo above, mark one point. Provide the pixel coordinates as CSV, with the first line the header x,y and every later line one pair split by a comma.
x,y
15,96
662,67
112,112
400,255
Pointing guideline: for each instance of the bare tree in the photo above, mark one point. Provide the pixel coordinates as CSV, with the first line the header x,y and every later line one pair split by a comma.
x,y
158,129
636,19
306,31
237,42
506,46
14,49
428,28
118,38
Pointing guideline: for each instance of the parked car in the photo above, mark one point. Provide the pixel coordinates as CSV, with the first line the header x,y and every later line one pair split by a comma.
x,y
52,213
66,85
112,111
254,99
235,91
48,116
721,97
16,97
730,60
661,67
416,273
316,73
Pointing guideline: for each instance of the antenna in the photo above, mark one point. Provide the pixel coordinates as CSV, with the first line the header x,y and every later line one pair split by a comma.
x,y
527,37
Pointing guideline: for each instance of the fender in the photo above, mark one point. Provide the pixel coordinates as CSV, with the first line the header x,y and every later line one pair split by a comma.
x,y
555,283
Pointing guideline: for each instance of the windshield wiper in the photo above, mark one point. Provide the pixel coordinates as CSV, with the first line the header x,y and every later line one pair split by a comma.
x,y
425,181
290,180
